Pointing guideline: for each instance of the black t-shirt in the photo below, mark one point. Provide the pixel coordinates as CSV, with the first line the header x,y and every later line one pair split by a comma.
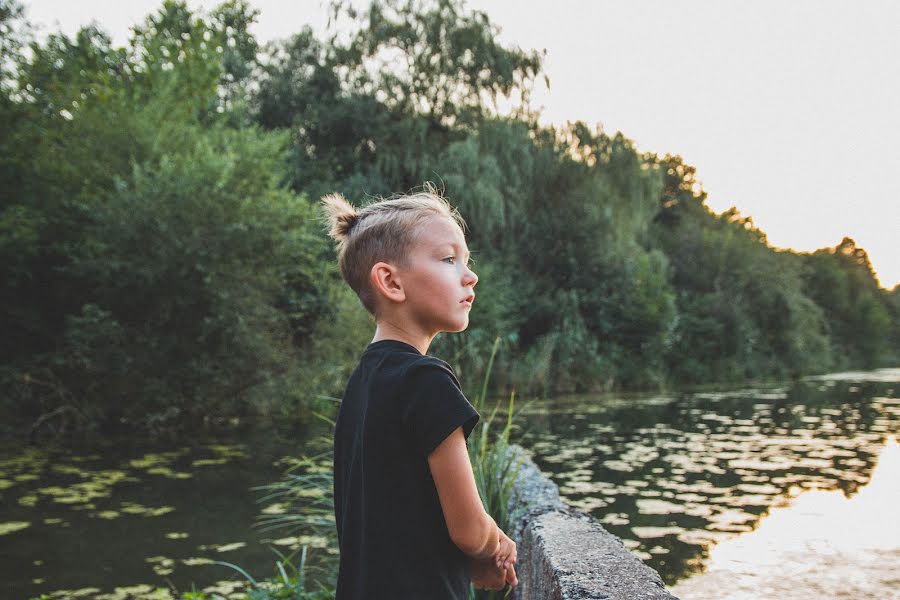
x,y
399,405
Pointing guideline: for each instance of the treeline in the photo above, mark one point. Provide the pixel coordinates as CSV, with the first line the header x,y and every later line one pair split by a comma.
x,y
163,259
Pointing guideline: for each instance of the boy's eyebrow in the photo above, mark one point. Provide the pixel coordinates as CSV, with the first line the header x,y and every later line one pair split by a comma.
x,y
456,247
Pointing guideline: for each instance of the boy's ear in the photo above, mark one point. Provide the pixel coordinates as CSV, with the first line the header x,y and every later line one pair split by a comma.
x,y
385,280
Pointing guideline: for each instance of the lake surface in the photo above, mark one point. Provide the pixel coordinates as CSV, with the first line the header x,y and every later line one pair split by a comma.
x,y
689,482
123,518
722,491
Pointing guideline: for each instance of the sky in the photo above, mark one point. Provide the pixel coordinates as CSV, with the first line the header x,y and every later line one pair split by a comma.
x,y
788,110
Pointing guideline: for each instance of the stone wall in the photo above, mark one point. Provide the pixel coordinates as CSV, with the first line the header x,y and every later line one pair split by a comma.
x,y
564,554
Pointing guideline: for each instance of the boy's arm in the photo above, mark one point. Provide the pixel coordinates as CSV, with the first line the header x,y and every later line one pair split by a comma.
x,y
471,528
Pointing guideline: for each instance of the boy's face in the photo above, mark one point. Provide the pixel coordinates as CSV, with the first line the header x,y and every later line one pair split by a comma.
x,y
438,283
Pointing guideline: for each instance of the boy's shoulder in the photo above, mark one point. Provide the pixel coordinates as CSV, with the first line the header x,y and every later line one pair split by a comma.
x,y
410,367
428,367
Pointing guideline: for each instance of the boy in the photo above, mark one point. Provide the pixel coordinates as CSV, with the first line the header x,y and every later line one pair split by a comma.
x,y
410,522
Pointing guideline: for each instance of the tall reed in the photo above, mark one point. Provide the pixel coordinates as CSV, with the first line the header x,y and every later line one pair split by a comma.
x,y
495,468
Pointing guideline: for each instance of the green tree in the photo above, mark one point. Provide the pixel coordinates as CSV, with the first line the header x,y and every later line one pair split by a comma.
x,y
841,280
435,59
742,311
372,112
155,267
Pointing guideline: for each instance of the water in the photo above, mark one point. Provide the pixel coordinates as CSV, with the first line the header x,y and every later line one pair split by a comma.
x,y
678,476
723,492
821,545
125,517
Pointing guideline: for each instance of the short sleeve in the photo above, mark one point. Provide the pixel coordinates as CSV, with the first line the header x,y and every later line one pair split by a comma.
x,y
433,405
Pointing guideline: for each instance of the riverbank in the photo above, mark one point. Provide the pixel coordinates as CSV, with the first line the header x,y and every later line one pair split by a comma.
x,y
564,553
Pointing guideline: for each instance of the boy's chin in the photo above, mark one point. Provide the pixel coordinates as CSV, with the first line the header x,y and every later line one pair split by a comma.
x,y
458,328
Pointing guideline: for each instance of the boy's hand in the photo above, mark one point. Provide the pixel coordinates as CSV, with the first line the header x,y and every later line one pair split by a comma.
x,y
486,575
506,556
511,578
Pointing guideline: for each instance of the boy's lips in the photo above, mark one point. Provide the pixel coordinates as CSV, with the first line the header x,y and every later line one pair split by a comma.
x,y
469,299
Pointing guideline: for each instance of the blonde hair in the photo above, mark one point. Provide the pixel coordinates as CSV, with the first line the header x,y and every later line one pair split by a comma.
x,y
384,230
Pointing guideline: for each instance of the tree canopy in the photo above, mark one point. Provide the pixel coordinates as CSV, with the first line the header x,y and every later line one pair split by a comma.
x,y
163,259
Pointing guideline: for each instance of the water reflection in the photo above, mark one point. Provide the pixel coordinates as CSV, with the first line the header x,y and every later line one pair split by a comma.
x,y
675,475
130,518
820,544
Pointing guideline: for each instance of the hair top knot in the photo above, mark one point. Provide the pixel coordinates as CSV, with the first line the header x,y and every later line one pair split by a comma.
x,y
341,216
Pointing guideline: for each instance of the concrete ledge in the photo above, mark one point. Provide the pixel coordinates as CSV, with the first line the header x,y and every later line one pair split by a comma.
x,y
564,554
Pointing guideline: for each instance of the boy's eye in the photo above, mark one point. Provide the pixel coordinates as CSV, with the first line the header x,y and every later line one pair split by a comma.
x,y
452,259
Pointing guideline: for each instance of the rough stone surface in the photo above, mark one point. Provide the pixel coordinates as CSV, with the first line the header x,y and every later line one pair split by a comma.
x,y
564,554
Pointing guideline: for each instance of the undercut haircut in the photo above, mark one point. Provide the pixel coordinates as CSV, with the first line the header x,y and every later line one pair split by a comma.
x,y
384,230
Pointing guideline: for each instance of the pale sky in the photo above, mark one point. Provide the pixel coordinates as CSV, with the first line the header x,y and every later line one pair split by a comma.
x,y
788,109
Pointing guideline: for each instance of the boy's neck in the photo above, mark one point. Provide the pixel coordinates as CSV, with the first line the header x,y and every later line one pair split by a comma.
x,y
386,331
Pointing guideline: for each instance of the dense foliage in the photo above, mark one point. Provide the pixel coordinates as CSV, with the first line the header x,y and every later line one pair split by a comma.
x,y
163,260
